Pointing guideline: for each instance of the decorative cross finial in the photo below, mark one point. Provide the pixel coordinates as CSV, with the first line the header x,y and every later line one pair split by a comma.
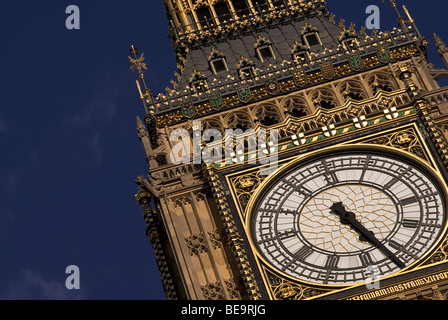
x,y
133,51
138,64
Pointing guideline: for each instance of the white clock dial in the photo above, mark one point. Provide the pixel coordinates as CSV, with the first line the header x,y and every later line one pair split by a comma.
x,y
398,209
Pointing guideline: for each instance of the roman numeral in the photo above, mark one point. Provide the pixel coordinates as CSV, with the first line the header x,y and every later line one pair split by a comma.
x,y
366,259
333,177
365,167
287,211
330,176
332,262
409,223
391,183
408,201
286,234
396,179
303,253
296,185
266,239
395,245
268,212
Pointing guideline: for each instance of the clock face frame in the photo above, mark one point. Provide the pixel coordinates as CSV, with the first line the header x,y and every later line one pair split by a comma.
x,y
398,198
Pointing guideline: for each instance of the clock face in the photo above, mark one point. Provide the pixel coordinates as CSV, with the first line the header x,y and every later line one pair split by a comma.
x,y
334,218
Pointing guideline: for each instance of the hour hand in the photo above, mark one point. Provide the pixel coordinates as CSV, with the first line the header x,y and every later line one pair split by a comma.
x,y
346,217
338,207
364,238
349,218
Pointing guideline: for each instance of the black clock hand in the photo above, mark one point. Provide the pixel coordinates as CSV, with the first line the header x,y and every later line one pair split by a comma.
x,y
349,218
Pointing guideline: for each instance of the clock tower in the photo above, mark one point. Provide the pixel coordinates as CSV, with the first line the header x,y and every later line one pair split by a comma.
x,y
295,156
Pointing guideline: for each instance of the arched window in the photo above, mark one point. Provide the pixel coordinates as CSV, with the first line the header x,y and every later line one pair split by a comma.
x,y
241,7
324,98
217,61
260,5
223,12
267,115
238,120
295,106
381,81
205,17
300,54
310,37
245,68
278,3
352,90
264,50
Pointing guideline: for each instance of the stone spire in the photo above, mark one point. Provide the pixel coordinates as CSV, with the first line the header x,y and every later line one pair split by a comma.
x,y
144,138
442,49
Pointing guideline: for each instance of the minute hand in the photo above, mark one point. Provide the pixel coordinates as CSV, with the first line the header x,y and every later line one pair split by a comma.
x,y
349,218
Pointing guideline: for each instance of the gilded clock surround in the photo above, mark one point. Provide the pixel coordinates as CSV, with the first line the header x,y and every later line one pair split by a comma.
x,y
284,287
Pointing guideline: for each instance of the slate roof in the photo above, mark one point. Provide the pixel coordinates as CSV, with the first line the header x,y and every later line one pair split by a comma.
x,y
284,32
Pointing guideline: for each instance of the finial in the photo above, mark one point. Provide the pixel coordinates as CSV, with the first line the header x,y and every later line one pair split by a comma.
x,y
139,65
342,24
440,45
402,21
352,28
411,21
362,32
394,5
137,62
133,51
438,41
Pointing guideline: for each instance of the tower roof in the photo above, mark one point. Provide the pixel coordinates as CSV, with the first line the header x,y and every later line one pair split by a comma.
x,y
249,43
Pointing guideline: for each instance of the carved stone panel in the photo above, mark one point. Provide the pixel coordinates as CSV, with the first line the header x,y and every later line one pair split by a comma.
x,y
196,244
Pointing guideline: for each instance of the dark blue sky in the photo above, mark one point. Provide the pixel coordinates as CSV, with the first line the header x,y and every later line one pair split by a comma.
x,y
69,147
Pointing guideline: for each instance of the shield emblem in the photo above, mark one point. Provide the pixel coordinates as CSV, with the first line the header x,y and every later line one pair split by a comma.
x,y
355,62
327,70
272,87
188,110
383,54
300,78
244,94
216,102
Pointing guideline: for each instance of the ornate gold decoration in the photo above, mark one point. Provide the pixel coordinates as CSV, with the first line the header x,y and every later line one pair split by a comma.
x,y
300,78
284,289
137,64
234,239
441,254
247,182
422,283
245,186
405,140
284,86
